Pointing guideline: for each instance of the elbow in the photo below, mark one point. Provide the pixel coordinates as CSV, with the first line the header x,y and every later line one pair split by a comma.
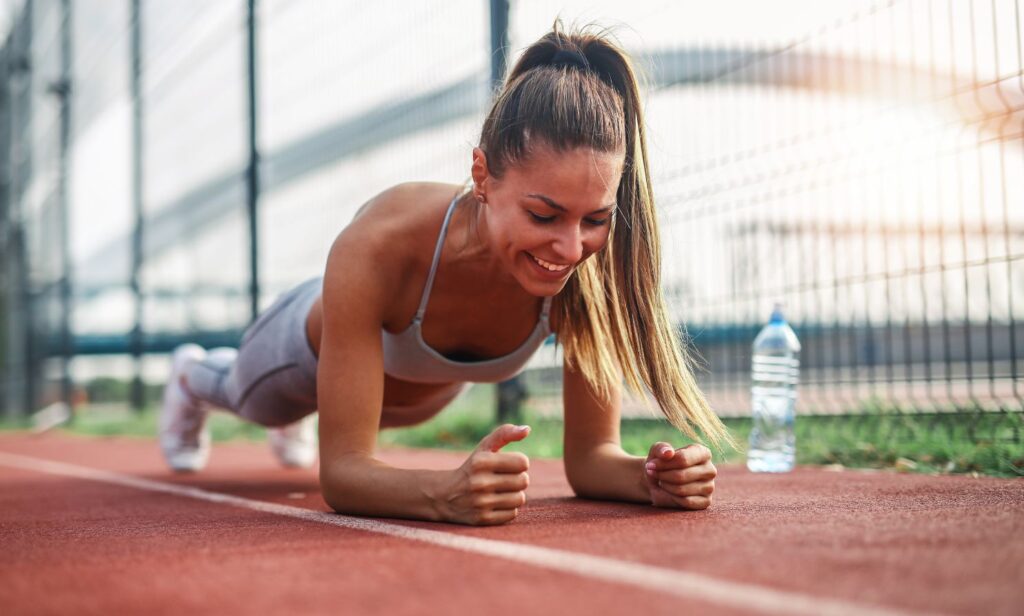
x,y
578,490
336,484
577,481
331,490
583,491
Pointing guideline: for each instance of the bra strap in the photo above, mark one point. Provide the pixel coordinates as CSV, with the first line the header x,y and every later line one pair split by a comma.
x,y
433,265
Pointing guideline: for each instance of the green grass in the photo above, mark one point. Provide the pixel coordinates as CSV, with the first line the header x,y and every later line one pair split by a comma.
x,y
118,420
965,442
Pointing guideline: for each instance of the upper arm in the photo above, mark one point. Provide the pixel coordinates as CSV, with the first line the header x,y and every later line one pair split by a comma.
x,y
350,370
590,422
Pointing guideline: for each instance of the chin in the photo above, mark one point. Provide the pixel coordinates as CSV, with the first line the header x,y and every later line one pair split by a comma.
x,y
547,292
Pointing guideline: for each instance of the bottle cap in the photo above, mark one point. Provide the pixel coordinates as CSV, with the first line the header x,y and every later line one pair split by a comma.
x,y
777,314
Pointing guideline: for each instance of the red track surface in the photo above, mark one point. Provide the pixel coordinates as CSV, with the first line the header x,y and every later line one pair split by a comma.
x,y
874,540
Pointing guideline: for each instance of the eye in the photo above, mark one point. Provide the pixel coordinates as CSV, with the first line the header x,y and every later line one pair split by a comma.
x,y
547,219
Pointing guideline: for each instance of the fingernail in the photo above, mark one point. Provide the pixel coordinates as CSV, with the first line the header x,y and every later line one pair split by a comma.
x,y
651,465
521,428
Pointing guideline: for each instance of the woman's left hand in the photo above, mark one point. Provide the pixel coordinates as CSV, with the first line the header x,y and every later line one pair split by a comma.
x,y
680,478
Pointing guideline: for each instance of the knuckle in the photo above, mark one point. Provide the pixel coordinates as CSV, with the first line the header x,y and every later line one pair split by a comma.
x,y
479,483
478,463
524,460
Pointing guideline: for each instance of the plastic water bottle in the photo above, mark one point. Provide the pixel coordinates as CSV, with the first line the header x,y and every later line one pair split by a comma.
x,y
775,369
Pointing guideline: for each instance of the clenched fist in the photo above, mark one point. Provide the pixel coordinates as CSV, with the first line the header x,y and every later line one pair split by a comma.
x,y
680,478
490,486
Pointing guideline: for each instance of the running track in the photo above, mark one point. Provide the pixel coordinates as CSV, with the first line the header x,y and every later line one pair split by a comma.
x,y
97,525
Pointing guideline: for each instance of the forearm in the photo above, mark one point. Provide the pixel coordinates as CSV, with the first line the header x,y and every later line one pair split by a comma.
x,y
609,473
369,487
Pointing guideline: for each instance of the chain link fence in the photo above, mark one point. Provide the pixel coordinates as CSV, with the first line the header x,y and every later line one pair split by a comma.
x,y
860,162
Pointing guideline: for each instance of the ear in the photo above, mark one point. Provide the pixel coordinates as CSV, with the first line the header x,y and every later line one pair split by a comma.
x,y
480,171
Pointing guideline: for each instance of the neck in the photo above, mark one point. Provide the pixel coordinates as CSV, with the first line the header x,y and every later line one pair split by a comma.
x,y
472,256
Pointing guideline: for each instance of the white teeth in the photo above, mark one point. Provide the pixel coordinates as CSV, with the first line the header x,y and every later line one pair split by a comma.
x,y
551,267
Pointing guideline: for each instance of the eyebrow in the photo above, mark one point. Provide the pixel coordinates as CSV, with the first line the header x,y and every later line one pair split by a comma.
x,y
552,203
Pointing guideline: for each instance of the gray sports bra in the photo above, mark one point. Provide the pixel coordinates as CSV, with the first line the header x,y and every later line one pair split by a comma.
x,y
407,356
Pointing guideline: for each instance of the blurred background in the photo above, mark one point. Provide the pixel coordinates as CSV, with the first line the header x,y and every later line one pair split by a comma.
x,y
169,167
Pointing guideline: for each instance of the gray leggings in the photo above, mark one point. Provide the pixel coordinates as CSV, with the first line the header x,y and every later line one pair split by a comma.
x,y
271,378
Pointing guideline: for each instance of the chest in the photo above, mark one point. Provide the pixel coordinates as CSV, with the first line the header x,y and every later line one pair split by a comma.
x,y
464,322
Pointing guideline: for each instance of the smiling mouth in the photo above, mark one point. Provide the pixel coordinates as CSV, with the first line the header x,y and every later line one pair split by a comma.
x,y
547,265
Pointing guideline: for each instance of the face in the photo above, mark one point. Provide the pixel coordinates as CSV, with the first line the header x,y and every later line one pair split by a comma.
x,y
555,208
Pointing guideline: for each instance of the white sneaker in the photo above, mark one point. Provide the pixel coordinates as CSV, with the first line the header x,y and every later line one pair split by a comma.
x,y
184,436
295,444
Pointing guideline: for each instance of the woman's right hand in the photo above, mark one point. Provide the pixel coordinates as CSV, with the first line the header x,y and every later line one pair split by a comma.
x,y
490,486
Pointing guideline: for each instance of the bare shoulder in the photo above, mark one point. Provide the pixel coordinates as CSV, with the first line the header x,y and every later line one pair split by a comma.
x,y
393,222
388,235
407,203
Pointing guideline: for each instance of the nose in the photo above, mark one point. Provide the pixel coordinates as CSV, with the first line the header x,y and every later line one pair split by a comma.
x,y
569,245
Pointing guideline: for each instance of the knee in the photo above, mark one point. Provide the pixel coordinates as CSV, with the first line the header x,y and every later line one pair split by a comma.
x,y
272,415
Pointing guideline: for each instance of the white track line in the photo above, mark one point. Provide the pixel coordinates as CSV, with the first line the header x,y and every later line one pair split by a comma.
x,y
659,579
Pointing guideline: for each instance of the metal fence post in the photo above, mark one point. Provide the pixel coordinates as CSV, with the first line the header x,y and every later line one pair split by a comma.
x,y
62,89
252,174
499,42
5,224
510,393
22,116
138,400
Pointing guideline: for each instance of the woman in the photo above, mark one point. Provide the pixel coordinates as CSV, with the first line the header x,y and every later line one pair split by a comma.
x,y
557,233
